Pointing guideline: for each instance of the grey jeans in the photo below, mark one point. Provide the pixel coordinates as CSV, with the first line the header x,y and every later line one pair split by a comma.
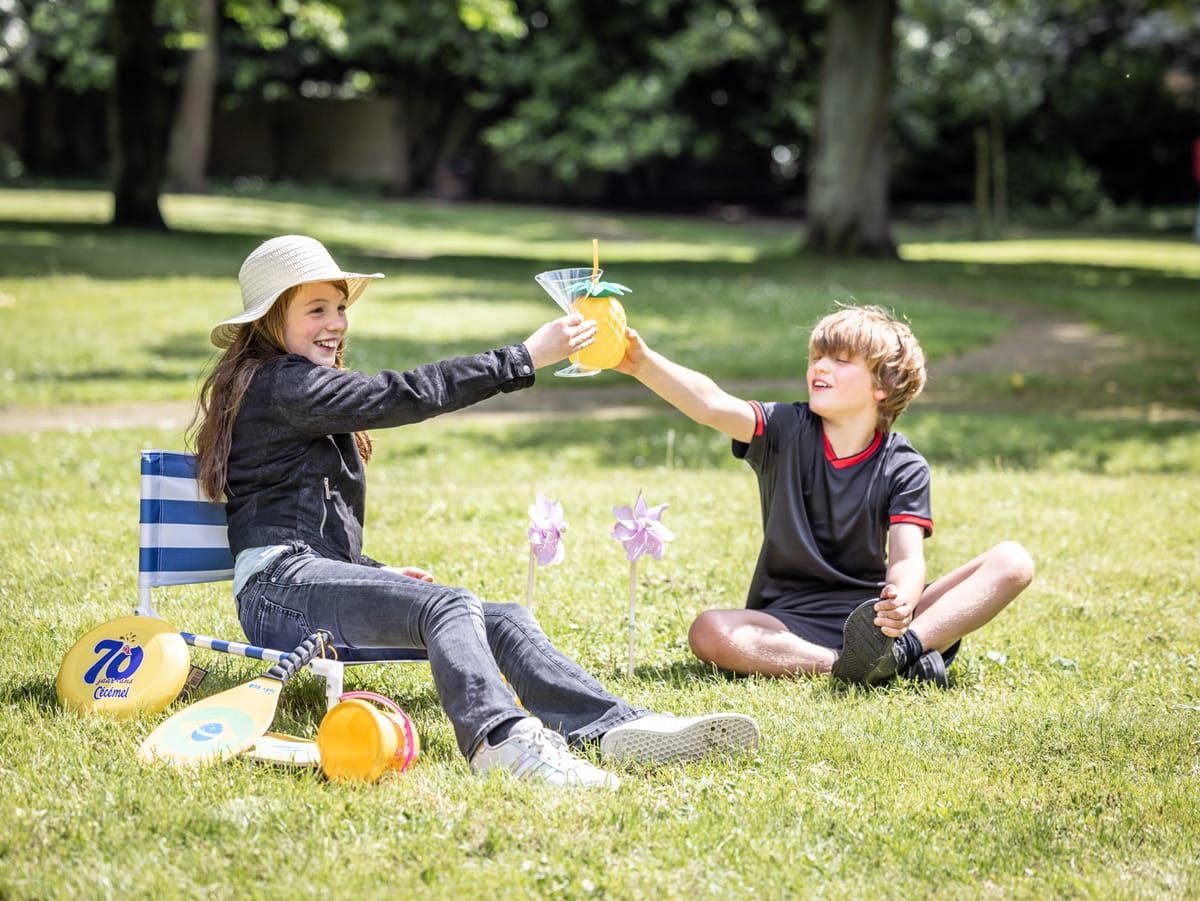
x,y
374,613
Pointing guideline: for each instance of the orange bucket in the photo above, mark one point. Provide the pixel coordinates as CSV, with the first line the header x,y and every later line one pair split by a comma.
x,y
359,742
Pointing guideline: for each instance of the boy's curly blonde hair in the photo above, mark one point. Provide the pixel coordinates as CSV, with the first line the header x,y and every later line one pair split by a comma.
x,y
891,351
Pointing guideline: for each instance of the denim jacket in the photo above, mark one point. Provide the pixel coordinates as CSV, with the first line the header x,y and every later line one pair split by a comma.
x,y
295,473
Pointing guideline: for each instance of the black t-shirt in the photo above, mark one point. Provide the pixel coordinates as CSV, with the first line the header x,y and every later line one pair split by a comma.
x,y
826,519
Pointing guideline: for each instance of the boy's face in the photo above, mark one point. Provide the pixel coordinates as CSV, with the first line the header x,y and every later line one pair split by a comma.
x,y
841,387
316,322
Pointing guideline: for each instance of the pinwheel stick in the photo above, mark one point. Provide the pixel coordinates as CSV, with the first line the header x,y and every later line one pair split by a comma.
x,y
529,582
632,614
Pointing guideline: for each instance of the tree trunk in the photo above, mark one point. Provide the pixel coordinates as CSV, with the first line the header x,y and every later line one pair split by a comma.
x,y
983,206
187,155
848,178
999,174
401,182
140,114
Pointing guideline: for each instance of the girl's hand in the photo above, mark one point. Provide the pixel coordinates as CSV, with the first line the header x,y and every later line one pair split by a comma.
x,y
559,338
412,572
892,615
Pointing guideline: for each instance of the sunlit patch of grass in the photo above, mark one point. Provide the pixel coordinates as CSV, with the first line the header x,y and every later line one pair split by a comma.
x,y
413,229
1177,257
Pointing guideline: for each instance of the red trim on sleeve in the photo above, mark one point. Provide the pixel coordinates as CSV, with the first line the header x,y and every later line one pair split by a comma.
x,y
759,417
843,462
926,524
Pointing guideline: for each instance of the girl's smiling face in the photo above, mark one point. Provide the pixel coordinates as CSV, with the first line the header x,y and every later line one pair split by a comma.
x,y
316,323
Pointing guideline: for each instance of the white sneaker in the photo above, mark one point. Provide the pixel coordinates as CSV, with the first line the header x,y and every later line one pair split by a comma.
x,y
533,752
657,738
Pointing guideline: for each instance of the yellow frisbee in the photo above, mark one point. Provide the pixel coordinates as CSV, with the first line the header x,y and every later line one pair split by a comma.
x,y
135,664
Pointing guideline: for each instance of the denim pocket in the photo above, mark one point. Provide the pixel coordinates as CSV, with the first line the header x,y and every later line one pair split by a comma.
x,y
268,622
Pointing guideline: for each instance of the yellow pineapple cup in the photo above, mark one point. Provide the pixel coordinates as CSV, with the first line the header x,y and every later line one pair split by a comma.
x,y
581,291
601,303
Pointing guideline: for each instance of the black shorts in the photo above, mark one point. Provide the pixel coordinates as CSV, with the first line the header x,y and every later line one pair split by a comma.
x,y
821,620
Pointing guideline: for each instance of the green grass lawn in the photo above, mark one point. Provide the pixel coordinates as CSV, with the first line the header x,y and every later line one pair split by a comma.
x,y
1062,762
97,314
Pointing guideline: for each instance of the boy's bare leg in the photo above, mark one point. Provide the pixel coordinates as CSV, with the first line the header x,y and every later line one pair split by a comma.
x,y
962,601
751,642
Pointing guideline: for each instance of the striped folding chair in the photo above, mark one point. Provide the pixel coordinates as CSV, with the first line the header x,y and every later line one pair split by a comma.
x,y
183,541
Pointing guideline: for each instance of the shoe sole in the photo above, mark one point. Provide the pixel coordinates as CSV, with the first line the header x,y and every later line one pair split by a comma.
x,y
866,652
728,732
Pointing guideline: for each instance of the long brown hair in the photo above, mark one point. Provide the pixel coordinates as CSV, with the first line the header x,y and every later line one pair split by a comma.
x,y
225,386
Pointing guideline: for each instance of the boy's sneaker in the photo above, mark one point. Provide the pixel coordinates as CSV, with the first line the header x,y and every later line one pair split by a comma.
x,y
657,738
929,667
868,656
537,754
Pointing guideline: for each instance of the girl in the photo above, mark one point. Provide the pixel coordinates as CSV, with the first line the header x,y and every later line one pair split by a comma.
x,y
281,431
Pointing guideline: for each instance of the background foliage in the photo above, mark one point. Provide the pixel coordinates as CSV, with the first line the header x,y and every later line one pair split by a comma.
x,y
670,103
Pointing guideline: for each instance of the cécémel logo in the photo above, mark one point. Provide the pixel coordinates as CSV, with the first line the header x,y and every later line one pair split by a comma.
x,y
117,660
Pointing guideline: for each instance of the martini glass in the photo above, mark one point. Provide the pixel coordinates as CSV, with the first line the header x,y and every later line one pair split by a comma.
x,y
568,287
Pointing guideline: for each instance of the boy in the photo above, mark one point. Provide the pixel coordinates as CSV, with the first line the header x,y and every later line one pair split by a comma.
x,y
839,586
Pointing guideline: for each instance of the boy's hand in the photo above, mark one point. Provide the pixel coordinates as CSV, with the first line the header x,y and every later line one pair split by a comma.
x,y
635,353
892,615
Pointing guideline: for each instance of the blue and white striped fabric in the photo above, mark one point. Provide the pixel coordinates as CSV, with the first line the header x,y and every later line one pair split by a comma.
x,y
183,534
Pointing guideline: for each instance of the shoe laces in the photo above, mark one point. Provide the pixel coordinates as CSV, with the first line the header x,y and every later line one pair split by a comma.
x,y
551,746
553,751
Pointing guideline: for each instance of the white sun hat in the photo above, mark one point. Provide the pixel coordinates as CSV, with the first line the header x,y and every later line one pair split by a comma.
x,y
276,265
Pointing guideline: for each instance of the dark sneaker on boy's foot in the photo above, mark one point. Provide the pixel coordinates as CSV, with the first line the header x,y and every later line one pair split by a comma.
x,y
658,738
868,656
929,667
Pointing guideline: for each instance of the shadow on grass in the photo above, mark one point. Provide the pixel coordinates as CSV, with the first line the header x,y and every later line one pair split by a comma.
x,y
38,693
951,440
38,249
682,673
692,672
35,249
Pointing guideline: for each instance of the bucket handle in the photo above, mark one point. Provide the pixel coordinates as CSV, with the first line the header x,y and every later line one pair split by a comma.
x,y
410,733
371,696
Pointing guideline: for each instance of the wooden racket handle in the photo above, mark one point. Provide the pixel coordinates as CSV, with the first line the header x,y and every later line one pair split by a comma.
x,y
311,647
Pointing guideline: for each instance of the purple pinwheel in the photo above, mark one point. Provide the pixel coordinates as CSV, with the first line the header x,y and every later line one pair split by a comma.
x,y
545,531
545,539
641,530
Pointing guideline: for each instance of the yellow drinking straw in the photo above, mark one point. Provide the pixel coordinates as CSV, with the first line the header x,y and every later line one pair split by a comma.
x,y
595,259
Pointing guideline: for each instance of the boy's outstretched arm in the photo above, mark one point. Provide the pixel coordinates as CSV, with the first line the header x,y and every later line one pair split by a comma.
x,y
692,393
